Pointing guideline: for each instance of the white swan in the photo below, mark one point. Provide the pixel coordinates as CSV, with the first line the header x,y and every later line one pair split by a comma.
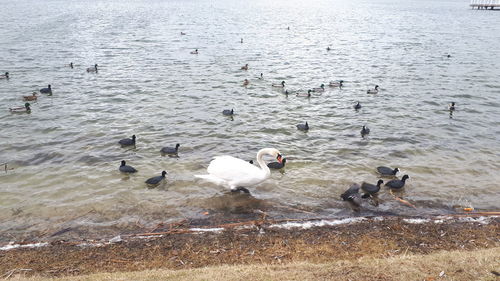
x,y
236,174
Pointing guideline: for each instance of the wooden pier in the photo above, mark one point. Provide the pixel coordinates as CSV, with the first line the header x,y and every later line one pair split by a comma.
x,y
485,4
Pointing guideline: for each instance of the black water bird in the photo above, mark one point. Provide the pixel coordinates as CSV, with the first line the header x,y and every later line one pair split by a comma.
x,y
370,189
365,131
303,127
386,171
352,196
156,180
451,107
126,168
126,142
397,184
47,90
357,106
170,150
227,112
277,165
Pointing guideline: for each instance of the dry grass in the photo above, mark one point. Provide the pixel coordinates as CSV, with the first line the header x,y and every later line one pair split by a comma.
x,y
456,265
367,250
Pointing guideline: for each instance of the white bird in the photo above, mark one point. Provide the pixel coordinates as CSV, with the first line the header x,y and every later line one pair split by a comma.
x,y
237,174
373,91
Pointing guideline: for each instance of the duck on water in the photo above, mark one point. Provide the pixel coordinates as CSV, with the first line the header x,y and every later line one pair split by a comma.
x,y
386,171
168,150
154,181
303,127
25,109
397,184
127,142
124,168
92,69
47,90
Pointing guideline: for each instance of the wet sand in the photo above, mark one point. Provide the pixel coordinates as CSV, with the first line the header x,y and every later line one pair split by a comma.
x,y
262,241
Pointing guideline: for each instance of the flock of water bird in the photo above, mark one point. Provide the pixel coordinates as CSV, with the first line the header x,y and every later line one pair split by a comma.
x,y
237,174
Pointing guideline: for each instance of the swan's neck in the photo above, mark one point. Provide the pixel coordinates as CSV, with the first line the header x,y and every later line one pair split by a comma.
x,y
261,162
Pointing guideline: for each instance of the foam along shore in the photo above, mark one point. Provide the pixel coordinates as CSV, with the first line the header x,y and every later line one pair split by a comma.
x,y
257,242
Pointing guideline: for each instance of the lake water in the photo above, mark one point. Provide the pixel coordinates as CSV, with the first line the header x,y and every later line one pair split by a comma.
x,y
63,158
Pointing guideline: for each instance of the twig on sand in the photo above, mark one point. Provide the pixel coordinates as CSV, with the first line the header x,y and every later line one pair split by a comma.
x,y
402,200
177,223
469,214
9,273
171,226
121,260
160,224
295,209
174,231
263,214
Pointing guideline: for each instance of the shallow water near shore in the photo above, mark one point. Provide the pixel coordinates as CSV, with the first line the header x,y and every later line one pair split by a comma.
x,y
62,159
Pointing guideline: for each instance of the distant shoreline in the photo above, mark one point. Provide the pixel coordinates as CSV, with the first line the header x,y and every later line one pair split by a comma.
x,y
258,242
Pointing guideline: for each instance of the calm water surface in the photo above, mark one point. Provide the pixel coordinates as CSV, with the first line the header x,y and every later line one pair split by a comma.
x,y
63,158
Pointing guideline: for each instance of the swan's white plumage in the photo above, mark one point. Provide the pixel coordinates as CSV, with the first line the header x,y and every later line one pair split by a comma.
x,y
232,172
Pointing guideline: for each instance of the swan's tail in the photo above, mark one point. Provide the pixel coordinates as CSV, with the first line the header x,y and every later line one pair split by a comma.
x,y
212,179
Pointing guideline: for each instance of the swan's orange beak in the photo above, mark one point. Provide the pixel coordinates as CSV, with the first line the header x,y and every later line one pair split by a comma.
x,y
279,158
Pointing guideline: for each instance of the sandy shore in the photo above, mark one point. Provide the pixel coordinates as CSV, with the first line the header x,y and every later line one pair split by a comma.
x,y
257,242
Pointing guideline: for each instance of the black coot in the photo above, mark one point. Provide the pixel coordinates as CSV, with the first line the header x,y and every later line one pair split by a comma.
x,y
277,165
126,168
386,171
397,184
125,142
370,189
303,127
170,150
365,131
47,90
156,180
227,112
352,196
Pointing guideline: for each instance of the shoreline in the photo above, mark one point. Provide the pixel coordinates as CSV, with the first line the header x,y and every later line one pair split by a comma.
x,y
261,241
442,265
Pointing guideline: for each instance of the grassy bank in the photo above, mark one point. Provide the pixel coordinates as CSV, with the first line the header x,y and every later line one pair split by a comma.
x,y
391,248
442,265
